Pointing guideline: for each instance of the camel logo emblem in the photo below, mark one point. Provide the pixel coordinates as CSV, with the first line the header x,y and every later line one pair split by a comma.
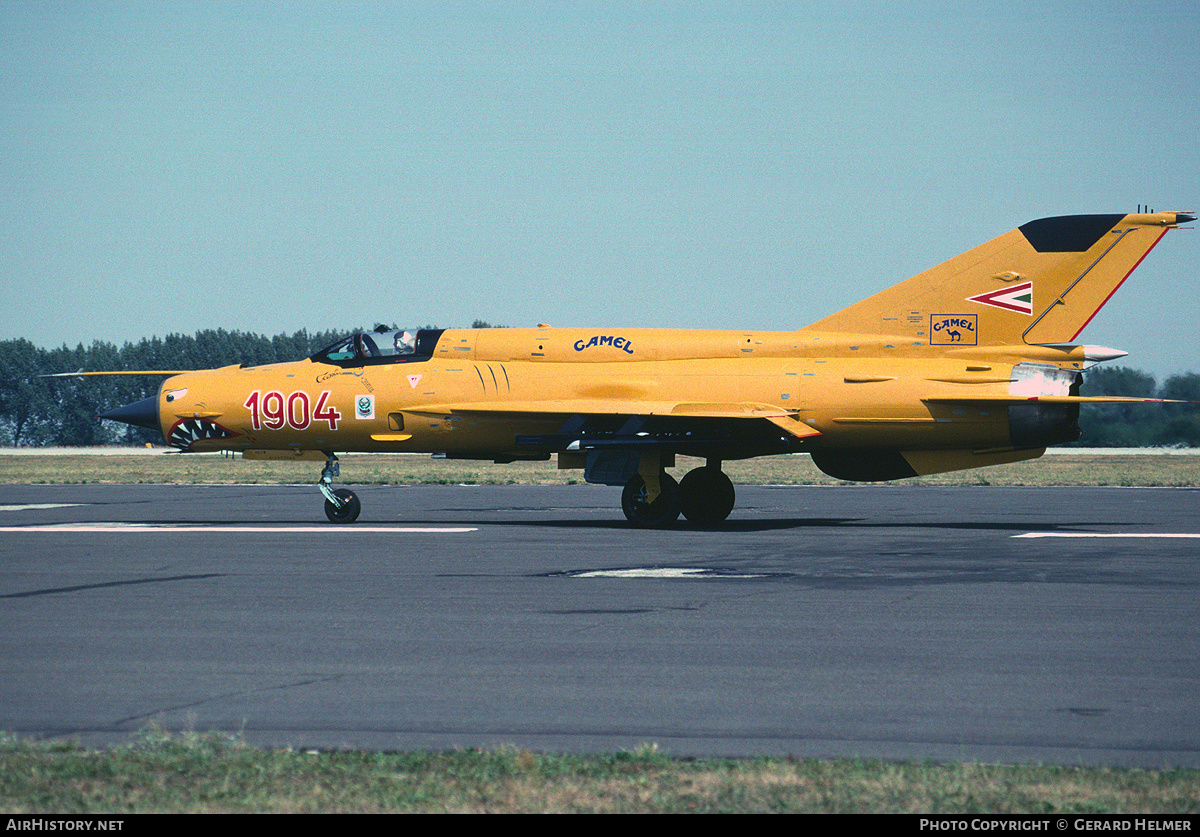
x,y
953,330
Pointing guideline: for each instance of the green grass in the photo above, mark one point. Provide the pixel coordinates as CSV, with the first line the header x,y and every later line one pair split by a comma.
x,y
1064,469
192,773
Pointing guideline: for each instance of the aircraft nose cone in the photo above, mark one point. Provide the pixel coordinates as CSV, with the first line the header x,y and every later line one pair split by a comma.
x,y
142,413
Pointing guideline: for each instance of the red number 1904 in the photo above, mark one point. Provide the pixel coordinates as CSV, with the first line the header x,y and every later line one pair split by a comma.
x,y
274,411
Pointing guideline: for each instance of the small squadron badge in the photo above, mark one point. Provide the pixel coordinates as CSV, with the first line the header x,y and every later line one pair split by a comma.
x,y
364,407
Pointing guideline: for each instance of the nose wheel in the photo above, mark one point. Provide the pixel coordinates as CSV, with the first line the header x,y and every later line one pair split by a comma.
x,y
349,509
341,505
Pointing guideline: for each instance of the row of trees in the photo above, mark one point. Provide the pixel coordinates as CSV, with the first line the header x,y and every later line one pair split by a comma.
x,y
1126,425
38,411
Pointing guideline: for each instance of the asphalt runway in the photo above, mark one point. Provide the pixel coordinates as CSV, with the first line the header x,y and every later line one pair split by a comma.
x,y
872,621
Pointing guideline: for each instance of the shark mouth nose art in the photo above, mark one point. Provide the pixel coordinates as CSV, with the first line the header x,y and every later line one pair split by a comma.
x,y
187,432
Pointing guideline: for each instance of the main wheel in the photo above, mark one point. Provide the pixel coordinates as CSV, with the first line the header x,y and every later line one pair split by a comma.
x,y
662,512
348,513
706,496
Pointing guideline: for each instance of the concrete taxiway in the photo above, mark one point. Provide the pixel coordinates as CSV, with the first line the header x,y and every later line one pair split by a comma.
x,y
983,623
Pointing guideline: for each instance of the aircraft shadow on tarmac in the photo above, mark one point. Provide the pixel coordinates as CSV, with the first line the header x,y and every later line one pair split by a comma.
x,y
764,525
126,582
730,525
501,519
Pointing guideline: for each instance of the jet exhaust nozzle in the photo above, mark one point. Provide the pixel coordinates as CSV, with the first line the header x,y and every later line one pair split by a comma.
x,y
142,413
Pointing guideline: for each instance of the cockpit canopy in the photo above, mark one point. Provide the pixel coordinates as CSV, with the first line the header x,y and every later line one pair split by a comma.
x,y
383,345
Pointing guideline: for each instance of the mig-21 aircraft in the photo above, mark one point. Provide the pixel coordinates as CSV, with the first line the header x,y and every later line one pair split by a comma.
x,y
971,363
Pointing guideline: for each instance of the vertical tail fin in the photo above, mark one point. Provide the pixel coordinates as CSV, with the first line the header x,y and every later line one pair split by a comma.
x,y
1040,283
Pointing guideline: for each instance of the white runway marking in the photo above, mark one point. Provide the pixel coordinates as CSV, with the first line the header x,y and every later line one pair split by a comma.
x,y
1108,535
662,572
169,528
29,506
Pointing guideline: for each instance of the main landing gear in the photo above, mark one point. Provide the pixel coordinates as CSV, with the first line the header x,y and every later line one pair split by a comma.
x,y
652,499
341,505
705,497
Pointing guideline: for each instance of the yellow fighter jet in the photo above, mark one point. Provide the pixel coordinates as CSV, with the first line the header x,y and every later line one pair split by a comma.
x,y
970,363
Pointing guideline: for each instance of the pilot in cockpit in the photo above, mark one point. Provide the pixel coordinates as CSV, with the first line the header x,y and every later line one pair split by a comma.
x,y
406,342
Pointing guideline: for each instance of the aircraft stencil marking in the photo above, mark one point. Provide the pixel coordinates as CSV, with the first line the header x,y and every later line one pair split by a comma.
x,y
908,382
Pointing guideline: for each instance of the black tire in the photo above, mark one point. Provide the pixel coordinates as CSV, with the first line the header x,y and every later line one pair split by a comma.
x,y
662,512
706,496
347,513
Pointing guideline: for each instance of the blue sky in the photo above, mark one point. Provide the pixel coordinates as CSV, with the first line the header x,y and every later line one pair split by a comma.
x,y
168,167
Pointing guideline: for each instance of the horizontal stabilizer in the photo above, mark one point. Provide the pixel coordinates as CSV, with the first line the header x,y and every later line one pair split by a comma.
x,y
82,374
1049,399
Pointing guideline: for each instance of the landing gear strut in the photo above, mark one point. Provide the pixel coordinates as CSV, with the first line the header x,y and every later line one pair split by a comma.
x,y
341,505
660,512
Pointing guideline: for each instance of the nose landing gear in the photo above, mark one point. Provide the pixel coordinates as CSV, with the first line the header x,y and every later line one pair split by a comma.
x,y
341,505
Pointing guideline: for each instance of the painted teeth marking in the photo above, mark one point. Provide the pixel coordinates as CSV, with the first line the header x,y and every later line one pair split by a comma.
x,y
189,431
